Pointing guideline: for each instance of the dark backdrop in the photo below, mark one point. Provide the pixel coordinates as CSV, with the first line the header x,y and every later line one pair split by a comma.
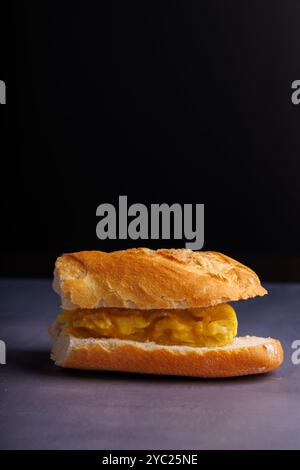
x,y
182,101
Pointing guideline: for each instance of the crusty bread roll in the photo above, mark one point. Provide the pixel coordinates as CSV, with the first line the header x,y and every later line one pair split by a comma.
x,y
244,356
147,279
144,279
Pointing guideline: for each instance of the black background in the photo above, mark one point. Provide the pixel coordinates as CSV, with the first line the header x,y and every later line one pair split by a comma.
x,y
184,101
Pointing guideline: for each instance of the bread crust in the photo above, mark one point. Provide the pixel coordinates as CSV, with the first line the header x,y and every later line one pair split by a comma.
x,y
244,356
147,279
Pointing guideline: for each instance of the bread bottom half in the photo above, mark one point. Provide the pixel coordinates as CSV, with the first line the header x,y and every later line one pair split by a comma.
x,y
243,356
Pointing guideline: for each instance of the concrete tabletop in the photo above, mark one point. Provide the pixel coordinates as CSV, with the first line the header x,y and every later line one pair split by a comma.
x,y
45,407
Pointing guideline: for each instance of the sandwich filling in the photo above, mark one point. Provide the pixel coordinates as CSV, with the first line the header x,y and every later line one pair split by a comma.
x,y
202,327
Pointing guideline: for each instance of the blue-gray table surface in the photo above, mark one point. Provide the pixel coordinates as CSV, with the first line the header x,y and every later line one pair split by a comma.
x,y
45,407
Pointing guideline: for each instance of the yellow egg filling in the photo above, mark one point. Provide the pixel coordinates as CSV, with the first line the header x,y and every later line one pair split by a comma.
x,y
211,326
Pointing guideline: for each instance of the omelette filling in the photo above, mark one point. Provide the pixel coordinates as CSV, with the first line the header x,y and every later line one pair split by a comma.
x,y
203,327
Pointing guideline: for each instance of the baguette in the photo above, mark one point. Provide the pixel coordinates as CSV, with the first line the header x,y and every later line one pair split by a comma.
x,y
96,336
147,279
244,356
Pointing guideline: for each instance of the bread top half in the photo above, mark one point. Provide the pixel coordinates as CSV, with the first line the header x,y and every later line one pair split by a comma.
x,y
141,278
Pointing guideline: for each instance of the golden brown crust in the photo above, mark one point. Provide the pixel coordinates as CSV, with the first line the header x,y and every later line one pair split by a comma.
x,y
147,279
248,355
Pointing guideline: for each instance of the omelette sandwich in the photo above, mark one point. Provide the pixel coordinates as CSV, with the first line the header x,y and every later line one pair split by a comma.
x,y
157,312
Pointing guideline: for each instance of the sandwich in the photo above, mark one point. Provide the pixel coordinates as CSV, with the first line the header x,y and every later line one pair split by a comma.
x,y
158,312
